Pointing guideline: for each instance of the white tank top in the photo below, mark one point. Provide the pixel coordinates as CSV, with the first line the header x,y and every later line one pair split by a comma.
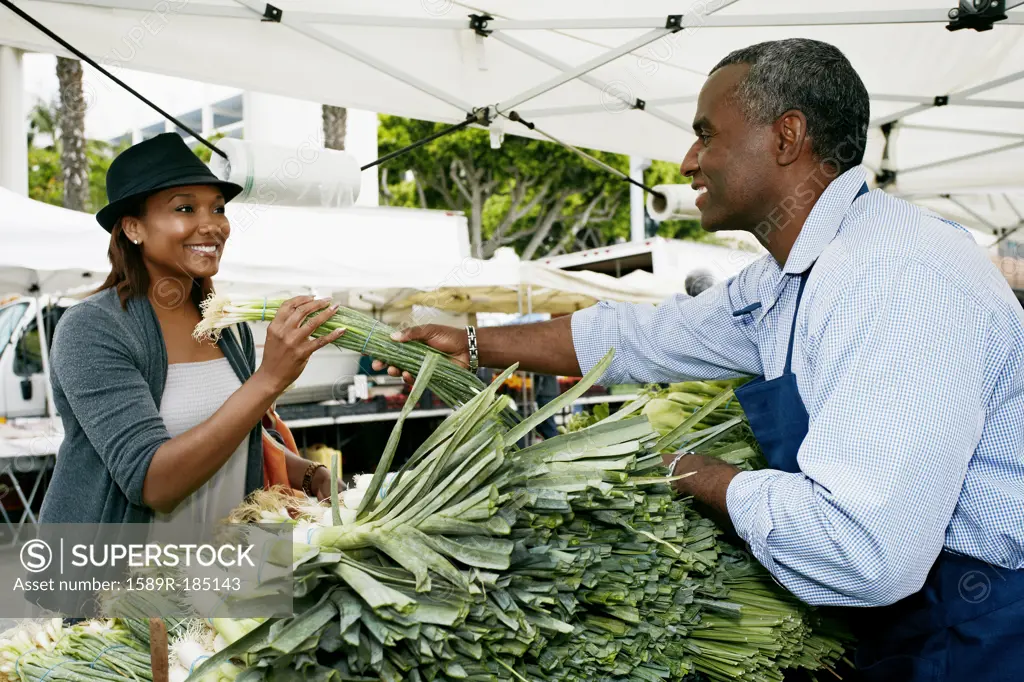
x,y
192,393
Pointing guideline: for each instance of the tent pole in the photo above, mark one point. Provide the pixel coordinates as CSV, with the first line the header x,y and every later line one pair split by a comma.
x,y
530,395
600,108
258,8
802,19
582,69
892,118
496,25
622,94
1005,80
962,131
964,157
937,16
966,209
44,353
957,98
1007,232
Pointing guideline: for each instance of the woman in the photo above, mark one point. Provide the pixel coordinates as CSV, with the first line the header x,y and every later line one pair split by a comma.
x,y
159,427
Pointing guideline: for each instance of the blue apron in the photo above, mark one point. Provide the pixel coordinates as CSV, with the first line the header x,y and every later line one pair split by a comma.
x,y
966,623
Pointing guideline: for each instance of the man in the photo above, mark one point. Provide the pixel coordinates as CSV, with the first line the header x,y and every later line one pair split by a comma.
x,y
890,357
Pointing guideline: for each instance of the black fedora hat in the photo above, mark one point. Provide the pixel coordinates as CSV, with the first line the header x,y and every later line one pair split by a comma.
x,y
152,165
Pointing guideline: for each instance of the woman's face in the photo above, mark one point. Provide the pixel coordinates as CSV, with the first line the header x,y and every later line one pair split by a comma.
x,y
183,232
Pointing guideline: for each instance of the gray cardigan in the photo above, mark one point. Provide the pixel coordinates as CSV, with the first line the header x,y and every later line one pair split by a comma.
x,y
108,368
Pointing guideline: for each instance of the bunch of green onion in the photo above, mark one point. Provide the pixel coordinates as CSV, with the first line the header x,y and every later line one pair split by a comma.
x,y
97,651
455,385
568,560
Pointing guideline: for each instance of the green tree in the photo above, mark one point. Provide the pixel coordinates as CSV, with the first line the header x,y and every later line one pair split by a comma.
x,y
533,195
45,173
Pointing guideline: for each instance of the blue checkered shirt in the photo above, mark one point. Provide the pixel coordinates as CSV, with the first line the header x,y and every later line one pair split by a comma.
x,y
909,357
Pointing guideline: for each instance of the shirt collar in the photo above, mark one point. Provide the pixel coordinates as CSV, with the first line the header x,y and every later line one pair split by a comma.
x,y
823,223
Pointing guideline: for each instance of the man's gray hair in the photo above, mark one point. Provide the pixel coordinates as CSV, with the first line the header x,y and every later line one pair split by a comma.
x,y
814,78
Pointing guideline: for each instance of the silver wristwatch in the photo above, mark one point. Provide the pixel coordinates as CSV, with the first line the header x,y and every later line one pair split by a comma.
x,y
474,357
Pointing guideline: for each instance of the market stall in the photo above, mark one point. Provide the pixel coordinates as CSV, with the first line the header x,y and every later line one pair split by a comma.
x,y
504,284
590,555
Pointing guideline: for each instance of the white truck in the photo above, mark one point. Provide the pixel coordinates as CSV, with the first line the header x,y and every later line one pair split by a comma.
x,y
22,381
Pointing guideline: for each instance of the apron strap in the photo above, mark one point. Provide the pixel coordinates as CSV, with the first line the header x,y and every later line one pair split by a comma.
x,y
799,294
792,331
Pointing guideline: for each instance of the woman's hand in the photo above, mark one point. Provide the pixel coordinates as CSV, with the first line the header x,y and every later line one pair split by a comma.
x,y
321,483
289,345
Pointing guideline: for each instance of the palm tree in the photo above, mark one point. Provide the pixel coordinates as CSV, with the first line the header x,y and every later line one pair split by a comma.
x,y
71,128
42,121
335,126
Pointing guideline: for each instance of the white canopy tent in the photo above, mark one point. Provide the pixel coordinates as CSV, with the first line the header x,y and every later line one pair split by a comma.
x,y
947,107
48,249
384,257
505,284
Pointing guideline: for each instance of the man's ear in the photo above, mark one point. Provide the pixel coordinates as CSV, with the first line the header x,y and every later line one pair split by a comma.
x,y
791,136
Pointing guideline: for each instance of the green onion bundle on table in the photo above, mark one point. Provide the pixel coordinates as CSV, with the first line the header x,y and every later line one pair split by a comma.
x,y
569,560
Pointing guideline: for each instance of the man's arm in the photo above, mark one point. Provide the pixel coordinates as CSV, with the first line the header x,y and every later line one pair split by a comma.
x,y
895,387
683,337
543,347
707,480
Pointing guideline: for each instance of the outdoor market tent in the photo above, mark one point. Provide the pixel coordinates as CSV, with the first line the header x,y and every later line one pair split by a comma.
x,y
382,258
607,74
504,284
48,249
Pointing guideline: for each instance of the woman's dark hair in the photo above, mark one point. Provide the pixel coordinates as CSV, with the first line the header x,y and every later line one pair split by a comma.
x,y
128,274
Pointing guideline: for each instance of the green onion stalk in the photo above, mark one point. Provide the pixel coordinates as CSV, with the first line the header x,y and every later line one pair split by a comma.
x,y
363,334
94,651
569,560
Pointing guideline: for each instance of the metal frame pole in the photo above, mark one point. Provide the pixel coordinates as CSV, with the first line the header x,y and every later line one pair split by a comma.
x,y
355,53
44,352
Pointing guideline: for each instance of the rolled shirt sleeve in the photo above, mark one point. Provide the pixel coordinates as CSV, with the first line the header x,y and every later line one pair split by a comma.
x,y
682,338
896,392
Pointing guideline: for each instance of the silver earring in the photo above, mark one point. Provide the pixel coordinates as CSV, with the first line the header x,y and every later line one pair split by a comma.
x,y
136,241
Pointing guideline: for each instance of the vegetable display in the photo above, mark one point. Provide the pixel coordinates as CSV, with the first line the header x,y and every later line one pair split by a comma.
x,y
568,560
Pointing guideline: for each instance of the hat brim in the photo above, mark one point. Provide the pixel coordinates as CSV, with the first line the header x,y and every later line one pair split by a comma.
x,y
108,216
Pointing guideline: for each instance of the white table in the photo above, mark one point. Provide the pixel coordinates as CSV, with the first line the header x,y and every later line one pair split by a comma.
x,y
26,449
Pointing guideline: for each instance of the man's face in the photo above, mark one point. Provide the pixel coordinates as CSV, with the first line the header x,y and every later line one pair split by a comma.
x,y
731,163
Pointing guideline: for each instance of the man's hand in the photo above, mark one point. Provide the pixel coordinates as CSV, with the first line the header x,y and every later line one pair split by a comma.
x,y
707,481
542,347
451,340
